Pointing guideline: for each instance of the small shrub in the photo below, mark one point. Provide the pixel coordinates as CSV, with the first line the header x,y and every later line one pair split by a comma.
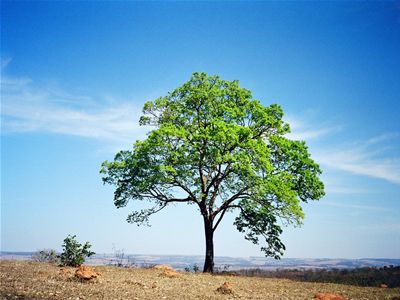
x,y
223,269
195,268
122,260
146,265
74,253
46,255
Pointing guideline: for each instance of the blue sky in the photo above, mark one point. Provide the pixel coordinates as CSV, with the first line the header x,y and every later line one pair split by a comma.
x,y
75,75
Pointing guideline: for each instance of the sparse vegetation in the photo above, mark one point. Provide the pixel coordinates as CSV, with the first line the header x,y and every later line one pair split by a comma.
x,y
121,259
74,253
224,269
195,268
368,277
46,255
33,280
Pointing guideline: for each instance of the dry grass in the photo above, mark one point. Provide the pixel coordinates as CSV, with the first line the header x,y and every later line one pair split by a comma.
x,y
32,280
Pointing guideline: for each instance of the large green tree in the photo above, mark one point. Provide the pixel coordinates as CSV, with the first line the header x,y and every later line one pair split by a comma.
x,y
216,147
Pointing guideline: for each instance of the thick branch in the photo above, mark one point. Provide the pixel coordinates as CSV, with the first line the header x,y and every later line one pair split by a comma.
x,y
238,195
161,197
216,179
215,182
223,213
186,189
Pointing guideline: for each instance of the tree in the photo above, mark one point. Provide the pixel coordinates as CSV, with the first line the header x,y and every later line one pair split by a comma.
x,y
74,253
217,148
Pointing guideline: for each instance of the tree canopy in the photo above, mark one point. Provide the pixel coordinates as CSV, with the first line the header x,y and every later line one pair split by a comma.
x,y
216,147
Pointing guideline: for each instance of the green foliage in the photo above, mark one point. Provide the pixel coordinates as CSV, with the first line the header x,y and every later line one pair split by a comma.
x,y
74,253
216,147
46,255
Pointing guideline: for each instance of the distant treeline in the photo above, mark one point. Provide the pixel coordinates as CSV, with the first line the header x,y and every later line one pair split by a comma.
x,y
372,277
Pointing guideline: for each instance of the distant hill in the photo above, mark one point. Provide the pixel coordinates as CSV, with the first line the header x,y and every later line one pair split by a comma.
x,y
232,263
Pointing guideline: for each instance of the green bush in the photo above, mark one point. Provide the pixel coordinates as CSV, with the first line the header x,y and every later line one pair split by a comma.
x,y
46,255
74,253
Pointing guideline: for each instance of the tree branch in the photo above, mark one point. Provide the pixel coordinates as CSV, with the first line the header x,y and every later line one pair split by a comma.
x,y
223,213
163,198
186,189
230,200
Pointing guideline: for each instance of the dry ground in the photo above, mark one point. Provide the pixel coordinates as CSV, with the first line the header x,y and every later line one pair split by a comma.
x,y
31,280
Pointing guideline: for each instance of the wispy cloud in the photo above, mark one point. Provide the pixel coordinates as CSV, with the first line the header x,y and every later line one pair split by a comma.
x,y
27,107
345,189
30,107
375,157
5,61
356,206
302,130
370,158
383,138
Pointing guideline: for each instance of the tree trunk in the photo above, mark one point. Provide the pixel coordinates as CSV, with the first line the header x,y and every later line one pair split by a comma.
x,y
209,234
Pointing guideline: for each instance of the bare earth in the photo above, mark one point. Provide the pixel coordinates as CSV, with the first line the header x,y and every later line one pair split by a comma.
x,y
30,280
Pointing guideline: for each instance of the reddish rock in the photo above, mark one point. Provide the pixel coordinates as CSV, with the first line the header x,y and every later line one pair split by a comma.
x,y
86,273
163,267
225,288
383,286
328,296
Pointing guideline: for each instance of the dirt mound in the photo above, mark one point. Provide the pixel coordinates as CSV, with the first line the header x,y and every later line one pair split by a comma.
x,y
86,273
163,267
225,289
328,296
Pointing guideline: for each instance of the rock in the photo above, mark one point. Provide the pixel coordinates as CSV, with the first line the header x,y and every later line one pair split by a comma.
x,y
163,267
86,273
328,296
383,286
170,274
225,288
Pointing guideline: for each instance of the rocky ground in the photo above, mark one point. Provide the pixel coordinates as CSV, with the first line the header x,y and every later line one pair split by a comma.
x,y
31,280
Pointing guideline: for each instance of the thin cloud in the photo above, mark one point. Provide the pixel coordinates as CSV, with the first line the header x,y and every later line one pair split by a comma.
x,y
9,83
370,158
375,157
346,190
383,138
356,206
301,130
5,62
27,107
